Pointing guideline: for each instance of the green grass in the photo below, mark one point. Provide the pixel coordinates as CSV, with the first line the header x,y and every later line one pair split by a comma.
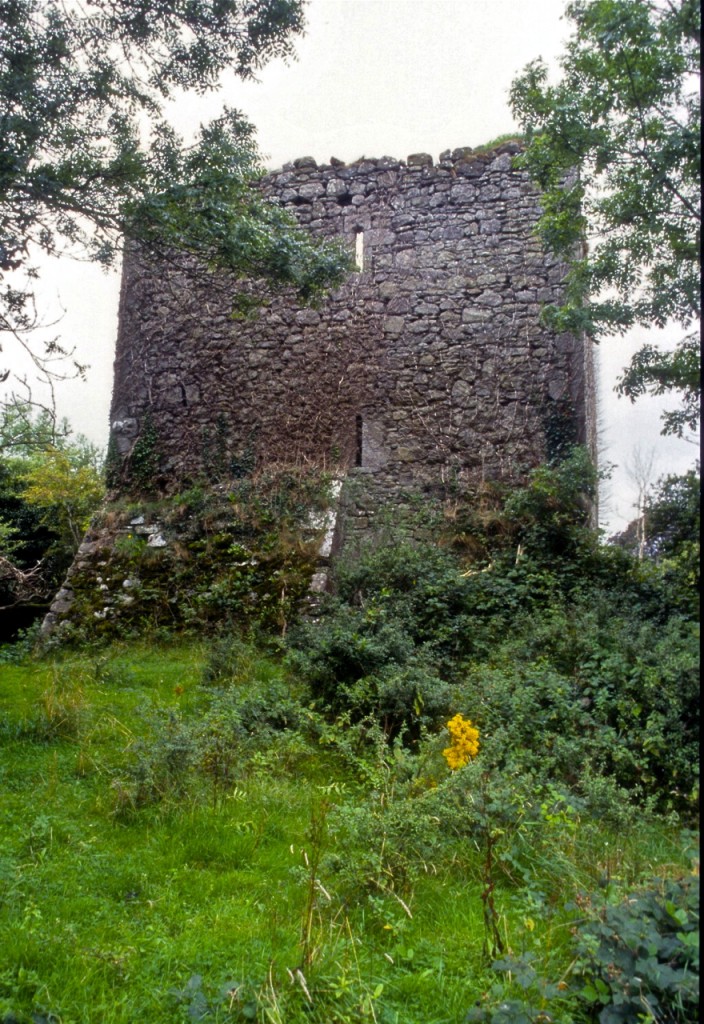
x,y
110,909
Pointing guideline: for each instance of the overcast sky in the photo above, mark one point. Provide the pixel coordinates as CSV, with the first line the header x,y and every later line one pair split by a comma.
x,y
376,78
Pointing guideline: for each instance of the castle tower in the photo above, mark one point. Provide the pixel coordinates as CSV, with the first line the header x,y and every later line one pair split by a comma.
x,y
430,360
429,367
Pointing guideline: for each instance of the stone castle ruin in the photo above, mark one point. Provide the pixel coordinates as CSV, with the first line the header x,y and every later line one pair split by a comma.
x,y
430,361
430,367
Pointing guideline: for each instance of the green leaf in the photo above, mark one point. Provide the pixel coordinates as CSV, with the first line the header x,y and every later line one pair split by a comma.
x,y
614,147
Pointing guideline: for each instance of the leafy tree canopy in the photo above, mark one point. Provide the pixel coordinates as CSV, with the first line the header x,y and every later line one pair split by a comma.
x,y
87,156
673,511
615,148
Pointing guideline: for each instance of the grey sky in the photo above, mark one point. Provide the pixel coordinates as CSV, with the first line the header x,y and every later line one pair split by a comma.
x,y
376,78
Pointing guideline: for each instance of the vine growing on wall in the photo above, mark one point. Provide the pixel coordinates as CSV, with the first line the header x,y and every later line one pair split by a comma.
x,y
145,457
560,425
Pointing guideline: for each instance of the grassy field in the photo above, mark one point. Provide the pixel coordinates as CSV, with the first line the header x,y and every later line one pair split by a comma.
x,y
165,858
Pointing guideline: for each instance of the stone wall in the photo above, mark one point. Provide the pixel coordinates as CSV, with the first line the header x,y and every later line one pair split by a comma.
x,y
430,363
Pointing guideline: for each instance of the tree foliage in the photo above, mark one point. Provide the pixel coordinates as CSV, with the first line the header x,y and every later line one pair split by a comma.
x,y
615,148
66,490
87,155
672,527
669,523
50,484
673,510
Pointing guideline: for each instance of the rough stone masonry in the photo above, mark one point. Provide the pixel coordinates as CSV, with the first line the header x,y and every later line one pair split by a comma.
x,y
430,367
430,363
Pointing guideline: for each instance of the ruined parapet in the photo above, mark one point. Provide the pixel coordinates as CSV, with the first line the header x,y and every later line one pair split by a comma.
x,y
430,362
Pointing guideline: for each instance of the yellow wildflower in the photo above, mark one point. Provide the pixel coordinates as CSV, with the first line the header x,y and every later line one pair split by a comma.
x,y
464,742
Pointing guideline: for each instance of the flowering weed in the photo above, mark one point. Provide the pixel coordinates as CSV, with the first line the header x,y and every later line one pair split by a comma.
x,y
464,745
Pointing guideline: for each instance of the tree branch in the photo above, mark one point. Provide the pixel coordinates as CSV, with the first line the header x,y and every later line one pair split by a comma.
x,y
646,155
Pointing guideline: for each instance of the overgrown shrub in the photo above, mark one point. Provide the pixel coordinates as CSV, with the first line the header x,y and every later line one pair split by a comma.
x,y
381,847
245,705
229,660
392,639
572,694
345,646
160,764
575,660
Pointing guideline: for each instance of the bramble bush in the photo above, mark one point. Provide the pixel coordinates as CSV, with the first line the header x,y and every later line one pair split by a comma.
x,y
627,709
639,958
364,663
636,960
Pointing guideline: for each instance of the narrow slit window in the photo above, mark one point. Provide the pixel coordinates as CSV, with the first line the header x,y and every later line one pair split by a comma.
x,y
359,441
359,249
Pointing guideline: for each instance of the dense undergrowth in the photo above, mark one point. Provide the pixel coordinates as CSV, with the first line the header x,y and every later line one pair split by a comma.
x,y
285,830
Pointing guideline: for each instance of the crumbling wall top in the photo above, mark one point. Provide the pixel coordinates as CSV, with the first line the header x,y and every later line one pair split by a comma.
x,y
448,159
